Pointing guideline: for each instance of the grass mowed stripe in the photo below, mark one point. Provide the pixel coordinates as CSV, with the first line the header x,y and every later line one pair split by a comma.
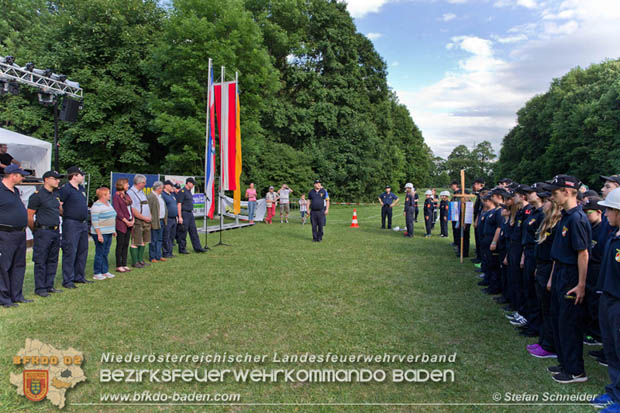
x,y
360,291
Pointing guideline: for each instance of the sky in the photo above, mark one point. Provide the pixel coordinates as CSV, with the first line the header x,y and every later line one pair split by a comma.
x,y
465,67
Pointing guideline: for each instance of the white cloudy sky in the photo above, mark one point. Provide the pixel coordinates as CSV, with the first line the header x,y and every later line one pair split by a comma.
x,y
464,67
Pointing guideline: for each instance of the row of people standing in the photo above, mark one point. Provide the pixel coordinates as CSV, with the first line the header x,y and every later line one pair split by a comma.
x,y
550,254
136,219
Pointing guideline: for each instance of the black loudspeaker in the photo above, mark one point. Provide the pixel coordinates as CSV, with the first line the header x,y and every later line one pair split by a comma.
x,y
69,110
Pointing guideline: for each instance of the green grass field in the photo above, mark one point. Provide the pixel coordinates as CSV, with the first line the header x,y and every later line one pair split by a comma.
x,y
361,291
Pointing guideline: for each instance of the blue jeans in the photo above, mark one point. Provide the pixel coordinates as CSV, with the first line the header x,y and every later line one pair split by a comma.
x,y
251,209
102,249
156,242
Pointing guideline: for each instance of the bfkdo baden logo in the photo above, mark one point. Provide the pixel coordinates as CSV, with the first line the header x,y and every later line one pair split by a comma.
x,y
36,384
48,372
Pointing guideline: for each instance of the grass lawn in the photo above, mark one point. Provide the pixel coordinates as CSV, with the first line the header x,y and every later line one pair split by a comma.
x,y
361,291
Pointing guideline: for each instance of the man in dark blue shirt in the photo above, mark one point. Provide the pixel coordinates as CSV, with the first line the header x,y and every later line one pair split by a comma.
x,y
568,281
388,200
187,223
74,239
318,205
44,205
13,221
170,229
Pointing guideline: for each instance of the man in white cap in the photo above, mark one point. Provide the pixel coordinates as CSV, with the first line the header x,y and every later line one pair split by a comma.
x,y
409,209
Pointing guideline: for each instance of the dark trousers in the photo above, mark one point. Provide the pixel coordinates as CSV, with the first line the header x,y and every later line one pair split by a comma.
x,y
316,220
478,239
170,231
609,316
515,290
386,212
409,221
532,309
567,319
45,257
12,266
74,242
543,298
416,212
444,225
428,222
189,225
503,275
591,324
456,233
122,243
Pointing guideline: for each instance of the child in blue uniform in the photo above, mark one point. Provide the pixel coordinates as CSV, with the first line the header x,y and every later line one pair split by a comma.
x,y
609,306
444,208
569,252
429,208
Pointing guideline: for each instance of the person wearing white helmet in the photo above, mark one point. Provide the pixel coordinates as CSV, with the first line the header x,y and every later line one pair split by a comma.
x,y
409,209
429,208
609,303
444,207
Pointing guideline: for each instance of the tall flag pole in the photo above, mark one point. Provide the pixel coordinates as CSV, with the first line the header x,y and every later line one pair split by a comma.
x,y
209,189
237,193
223,122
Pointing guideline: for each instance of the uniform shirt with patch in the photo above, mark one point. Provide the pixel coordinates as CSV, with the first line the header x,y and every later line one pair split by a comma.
x,y
444,207
543,250
492,222
186,199
429,206
388,198
530,227
75,204
609,277
409,201
46,206
596,250
573,234
12,210
317,199
517,229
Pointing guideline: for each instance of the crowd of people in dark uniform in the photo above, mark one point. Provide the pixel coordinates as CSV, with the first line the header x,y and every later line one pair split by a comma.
x,y
158,220
550,254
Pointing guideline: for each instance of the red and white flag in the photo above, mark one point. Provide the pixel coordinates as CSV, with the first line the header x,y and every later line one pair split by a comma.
x,y
226,108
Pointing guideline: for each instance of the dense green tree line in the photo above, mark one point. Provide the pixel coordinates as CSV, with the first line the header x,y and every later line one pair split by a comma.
x,y
572,128
478,163
314,94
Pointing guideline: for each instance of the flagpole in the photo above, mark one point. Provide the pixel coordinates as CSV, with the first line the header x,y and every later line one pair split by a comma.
x,y
207,143
221,191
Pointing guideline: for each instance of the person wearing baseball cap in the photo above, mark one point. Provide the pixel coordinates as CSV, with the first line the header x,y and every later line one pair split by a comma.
x,y
170,229
388,200
570,253
44,204
74,239
429,208
409,209
594,212
609,305
318,205
185,211
611,182
13,221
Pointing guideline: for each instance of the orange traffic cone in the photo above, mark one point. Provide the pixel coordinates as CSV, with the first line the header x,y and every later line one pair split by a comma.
x,y
354,222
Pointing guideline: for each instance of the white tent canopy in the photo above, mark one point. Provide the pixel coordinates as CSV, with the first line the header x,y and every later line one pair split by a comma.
x,y
31,152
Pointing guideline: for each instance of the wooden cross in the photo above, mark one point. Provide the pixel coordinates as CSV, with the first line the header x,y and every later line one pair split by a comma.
x,y
463,197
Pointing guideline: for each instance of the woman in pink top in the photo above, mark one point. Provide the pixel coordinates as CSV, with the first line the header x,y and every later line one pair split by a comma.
x,y
250,194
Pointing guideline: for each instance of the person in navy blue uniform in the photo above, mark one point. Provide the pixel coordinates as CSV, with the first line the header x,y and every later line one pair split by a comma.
x,y
489,239
74,238
435,207
185,211
388,200
44,205
170,229
531,223
429,208
13,221
444,208
477,188
318,206
552,214
568,281
609,304
416,207
594,213
409,209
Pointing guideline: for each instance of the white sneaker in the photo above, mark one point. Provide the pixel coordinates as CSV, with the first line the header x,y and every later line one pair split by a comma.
x,y
109,275
99,277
